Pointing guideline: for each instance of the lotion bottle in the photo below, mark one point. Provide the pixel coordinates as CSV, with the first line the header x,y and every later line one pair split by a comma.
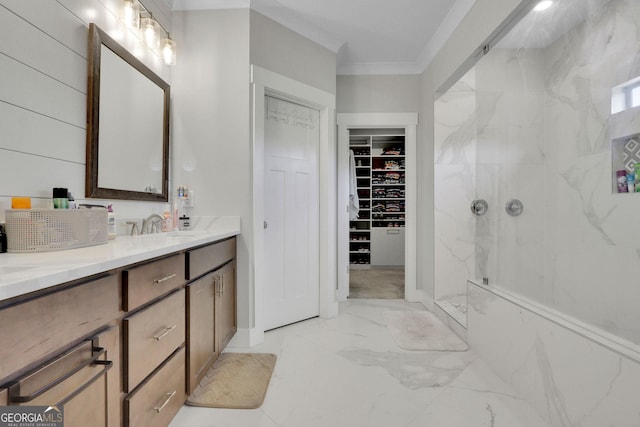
x,y
111,222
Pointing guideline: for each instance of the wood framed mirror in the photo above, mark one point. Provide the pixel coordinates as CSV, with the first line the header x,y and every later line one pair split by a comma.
x,y
127,125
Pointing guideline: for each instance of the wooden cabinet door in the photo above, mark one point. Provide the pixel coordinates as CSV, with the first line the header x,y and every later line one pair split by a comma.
x,y
225,310
200,328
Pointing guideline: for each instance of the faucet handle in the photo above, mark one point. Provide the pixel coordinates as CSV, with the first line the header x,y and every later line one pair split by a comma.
x,y
134,228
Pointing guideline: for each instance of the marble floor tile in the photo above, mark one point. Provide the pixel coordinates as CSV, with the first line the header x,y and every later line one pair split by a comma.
x,y
347,371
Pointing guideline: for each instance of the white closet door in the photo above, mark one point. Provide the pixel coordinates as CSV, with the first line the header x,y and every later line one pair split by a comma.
x,y
291,234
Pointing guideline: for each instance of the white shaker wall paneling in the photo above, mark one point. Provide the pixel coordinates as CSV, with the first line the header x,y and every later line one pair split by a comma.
x,y
30,133
43,61
30,89
53,20
35,176
41,52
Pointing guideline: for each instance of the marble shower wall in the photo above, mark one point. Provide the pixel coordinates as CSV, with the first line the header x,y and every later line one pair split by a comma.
x,y
544,130
571,381
593,274
454,168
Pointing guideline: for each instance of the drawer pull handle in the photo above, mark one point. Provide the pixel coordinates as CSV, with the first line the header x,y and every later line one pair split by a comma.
x,y
165,333
219,284
97,352
164,278
166,402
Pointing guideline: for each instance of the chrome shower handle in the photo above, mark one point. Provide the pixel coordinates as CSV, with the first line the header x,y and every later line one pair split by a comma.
x,y
479,207
514,207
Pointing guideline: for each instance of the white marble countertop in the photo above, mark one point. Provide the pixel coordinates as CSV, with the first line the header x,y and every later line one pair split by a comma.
x,y
24,273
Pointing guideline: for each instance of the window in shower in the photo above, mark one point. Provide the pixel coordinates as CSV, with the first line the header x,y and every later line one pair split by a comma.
x,y
625,96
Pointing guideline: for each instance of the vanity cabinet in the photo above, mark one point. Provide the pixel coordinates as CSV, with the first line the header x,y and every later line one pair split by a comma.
x,y
62,348
121,348
211,306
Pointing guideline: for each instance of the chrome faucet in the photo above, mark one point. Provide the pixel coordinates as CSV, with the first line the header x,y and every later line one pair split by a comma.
x,y
152,222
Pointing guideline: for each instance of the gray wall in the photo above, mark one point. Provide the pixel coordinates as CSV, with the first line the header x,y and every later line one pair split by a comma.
x,y
285,52
210,122
378,94
212,149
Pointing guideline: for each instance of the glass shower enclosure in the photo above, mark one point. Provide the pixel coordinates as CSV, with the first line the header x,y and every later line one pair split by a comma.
x,y
530,144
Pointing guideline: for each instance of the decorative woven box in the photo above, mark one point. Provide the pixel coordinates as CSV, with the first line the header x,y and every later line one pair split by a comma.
x,y
45,230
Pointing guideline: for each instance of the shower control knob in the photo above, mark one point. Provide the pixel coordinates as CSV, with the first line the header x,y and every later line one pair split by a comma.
x,y
514,207
479,207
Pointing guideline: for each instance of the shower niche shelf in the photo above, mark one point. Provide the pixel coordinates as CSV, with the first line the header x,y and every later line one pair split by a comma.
x,y
625,154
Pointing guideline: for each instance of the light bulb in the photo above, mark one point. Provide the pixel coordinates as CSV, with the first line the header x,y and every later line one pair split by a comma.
x,y
130,14
150,32
169,51
543,5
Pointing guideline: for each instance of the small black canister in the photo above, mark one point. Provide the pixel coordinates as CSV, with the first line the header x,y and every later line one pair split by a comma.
x,y
3,240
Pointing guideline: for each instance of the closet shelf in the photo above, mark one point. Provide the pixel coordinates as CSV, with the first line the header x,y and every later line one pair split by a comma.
x,y
380,172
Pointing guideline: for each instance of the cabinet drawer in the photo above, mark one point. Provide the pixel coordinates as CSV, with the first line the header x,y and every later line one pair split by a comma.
x,y
76,379
146,282
202,260
151,335
33,330
157,401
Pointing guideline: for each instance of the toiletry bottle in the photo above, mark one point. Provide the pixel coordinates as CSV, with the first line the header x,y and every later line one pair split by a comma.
x,y
185,222
621,180
111,222
72,201
637,174
631,183
167,224
175,218
3,240
60,198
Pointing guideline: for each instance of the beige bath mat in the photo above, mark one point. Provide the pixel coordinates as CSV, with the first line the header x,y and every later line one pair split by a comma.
x,y
236,380
421,330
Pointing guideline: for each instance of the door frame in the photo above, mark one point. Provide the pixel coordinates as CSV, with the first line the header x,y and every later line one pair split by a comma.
x,y
265,82
408,121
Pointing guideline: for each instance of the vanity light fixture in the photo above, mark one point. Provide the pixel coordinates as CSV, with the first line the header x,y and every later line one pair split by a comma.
x,y
130,14
543,5
137,18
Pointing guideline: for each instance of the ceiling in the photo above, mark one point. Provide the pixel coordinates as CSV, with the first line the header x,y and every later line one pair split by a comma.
x,y
368,36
